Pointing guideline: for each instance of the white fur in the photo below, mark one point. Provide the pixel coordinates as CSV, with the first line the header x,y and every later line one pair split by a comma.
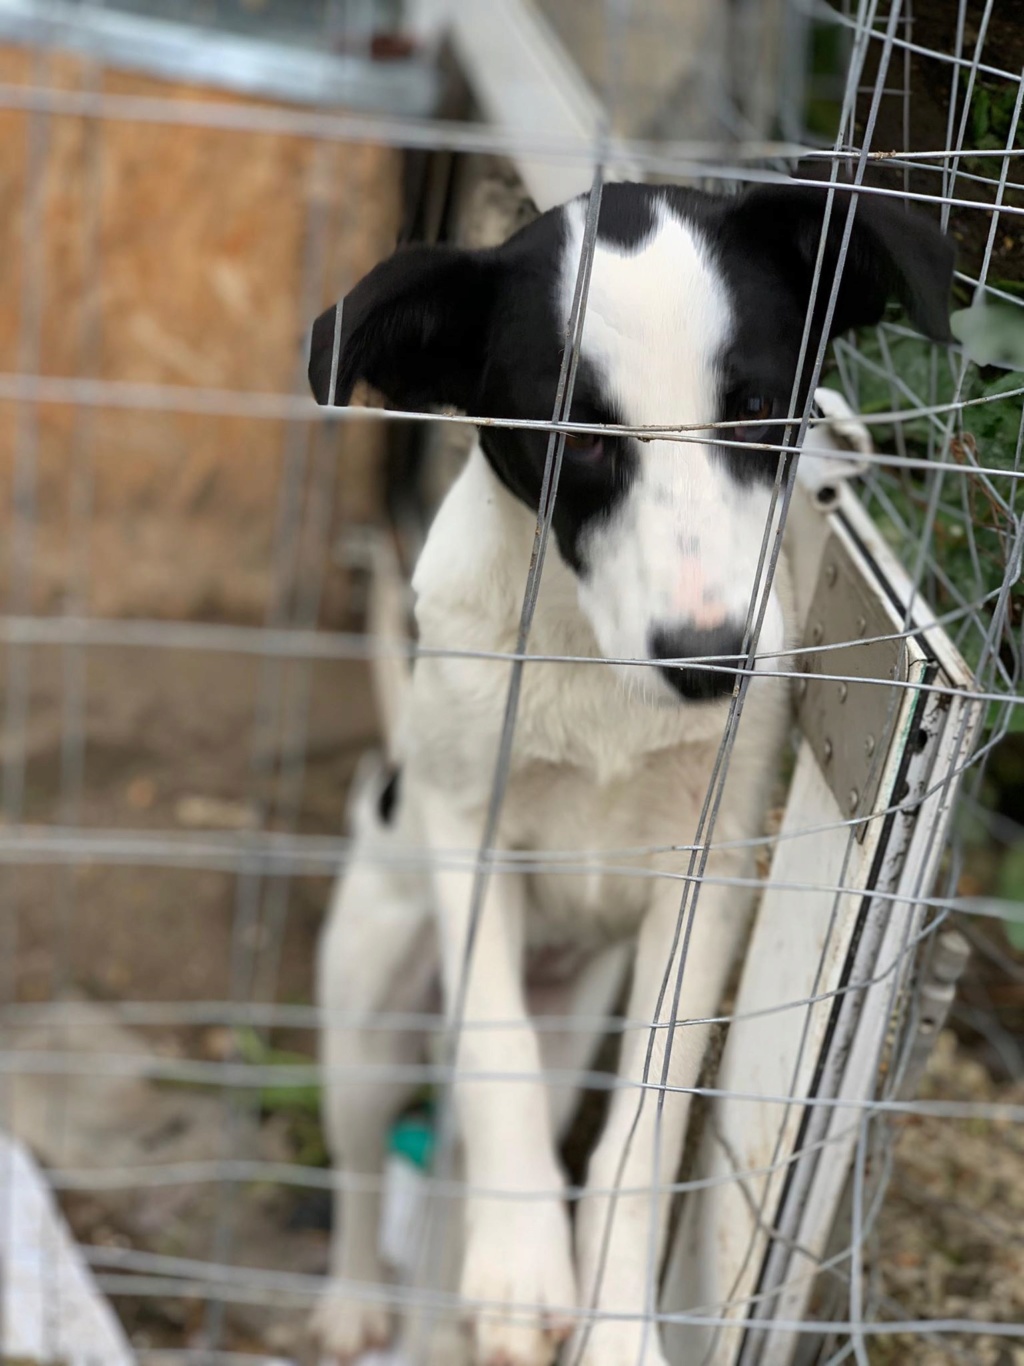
x,y
595,770
682,548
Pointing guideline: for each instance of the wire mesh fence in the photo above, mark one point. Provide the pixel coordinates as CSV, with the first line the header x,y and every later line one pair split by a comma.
x,y
188,667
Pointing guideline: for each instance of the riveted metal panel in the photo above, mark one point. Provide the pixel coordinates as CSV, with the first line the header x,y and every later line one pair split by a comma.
x,y
849,723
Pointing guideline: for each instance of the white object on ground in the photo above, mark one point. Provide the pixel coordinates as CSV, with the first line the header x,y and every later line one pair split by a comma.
x,y
50,1308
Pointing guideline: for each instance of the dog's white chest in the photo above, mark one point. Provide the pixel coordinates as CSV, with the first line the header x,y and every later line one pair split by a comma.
x,y
584,717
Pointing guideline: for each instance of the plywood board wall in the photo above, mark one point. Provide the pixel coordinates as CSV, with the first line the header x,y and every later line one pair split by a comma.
x,y
168,255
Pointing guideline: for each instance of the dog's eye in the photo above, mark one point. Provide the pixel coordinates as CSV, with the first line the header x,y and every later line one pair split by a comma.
x,y
752,413
585,447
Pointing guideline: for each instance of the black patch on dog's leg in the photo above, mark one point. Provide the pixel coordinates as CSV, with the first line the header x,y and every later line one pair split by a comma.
x,y
387,802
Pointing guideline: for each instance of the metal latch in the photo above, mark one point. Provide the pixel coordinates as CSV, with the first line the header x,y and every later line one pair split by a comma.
x,y
849,724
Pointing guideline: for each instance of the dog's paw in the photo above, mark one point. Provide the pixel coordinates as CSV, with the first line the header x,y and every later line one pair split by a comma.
x,y
615,1343
846,429
519,1269
345,1327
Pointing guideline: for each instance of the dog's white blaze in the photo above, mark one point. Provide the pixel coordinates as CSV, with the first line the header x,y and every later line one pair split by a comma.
x,y
682,549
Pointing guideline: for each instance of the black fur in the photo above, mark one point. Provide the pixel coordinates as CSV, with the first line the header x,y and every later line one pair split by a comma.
x,y
435,326
387,802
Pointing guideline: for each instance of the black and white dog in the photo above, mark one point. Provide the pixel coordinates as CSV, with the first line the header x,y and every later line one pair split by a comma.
x,y
695,316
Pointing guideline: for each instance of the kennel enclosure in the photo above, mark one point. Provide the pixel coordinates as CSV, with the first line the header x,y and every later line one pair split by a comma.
x,y
200,567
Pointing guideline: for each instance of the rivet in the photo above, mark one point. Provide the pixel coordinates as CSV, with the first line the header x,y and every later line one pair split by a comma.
x,y
862,625
827,750
869,746
843,692
831,574
817,631
853,800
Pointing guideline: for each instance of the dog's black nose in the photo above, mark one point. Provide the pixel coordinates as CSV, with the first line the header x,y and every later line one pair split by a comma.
x,y
699,682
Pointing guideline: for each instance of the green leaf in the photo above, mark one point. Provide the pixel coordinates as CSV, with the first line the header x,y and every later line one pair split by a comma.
x,y
273,1096
991,333
981,113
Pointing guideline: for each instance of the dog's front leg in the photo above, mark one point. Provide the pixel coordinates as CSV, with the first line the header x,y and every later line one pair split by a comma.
x,y
620,1238
518,1258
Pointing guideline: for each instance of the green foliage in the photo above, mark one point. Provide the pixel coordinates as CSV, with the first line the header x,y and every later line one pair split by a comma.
x,y
299,1105
826,74
990,122
991,115
971,533
970,536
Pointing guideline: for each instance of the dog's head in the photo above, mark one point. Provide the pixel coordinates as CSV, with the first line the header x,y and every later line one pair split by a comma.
x,y
695,315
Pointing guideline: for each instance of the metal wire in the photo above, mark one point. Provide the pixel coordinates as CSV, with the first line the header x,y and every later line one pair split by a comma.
x,y
924,479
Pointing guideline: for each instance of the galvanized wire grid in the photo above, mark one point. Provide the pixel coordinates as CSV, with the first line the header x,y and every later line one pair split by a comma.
x,y
916,497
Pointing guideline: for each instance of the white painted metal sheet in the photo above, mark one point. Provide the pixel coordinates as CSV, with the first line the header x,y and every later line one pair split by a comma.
x,y
837,910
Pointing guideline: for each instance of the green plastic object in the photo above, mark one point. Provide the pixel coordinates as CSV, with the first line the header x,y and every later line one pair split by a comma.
x,y
412,1137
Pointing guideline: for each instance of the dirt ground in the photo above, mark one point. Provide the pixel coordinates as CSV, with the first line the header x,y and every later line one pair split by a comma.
x,y
950,1237
170,746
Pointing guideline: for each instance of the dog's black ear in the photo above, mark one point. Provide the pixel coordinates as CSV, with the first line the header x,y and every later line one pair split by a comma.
x,y
415,328
893,253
